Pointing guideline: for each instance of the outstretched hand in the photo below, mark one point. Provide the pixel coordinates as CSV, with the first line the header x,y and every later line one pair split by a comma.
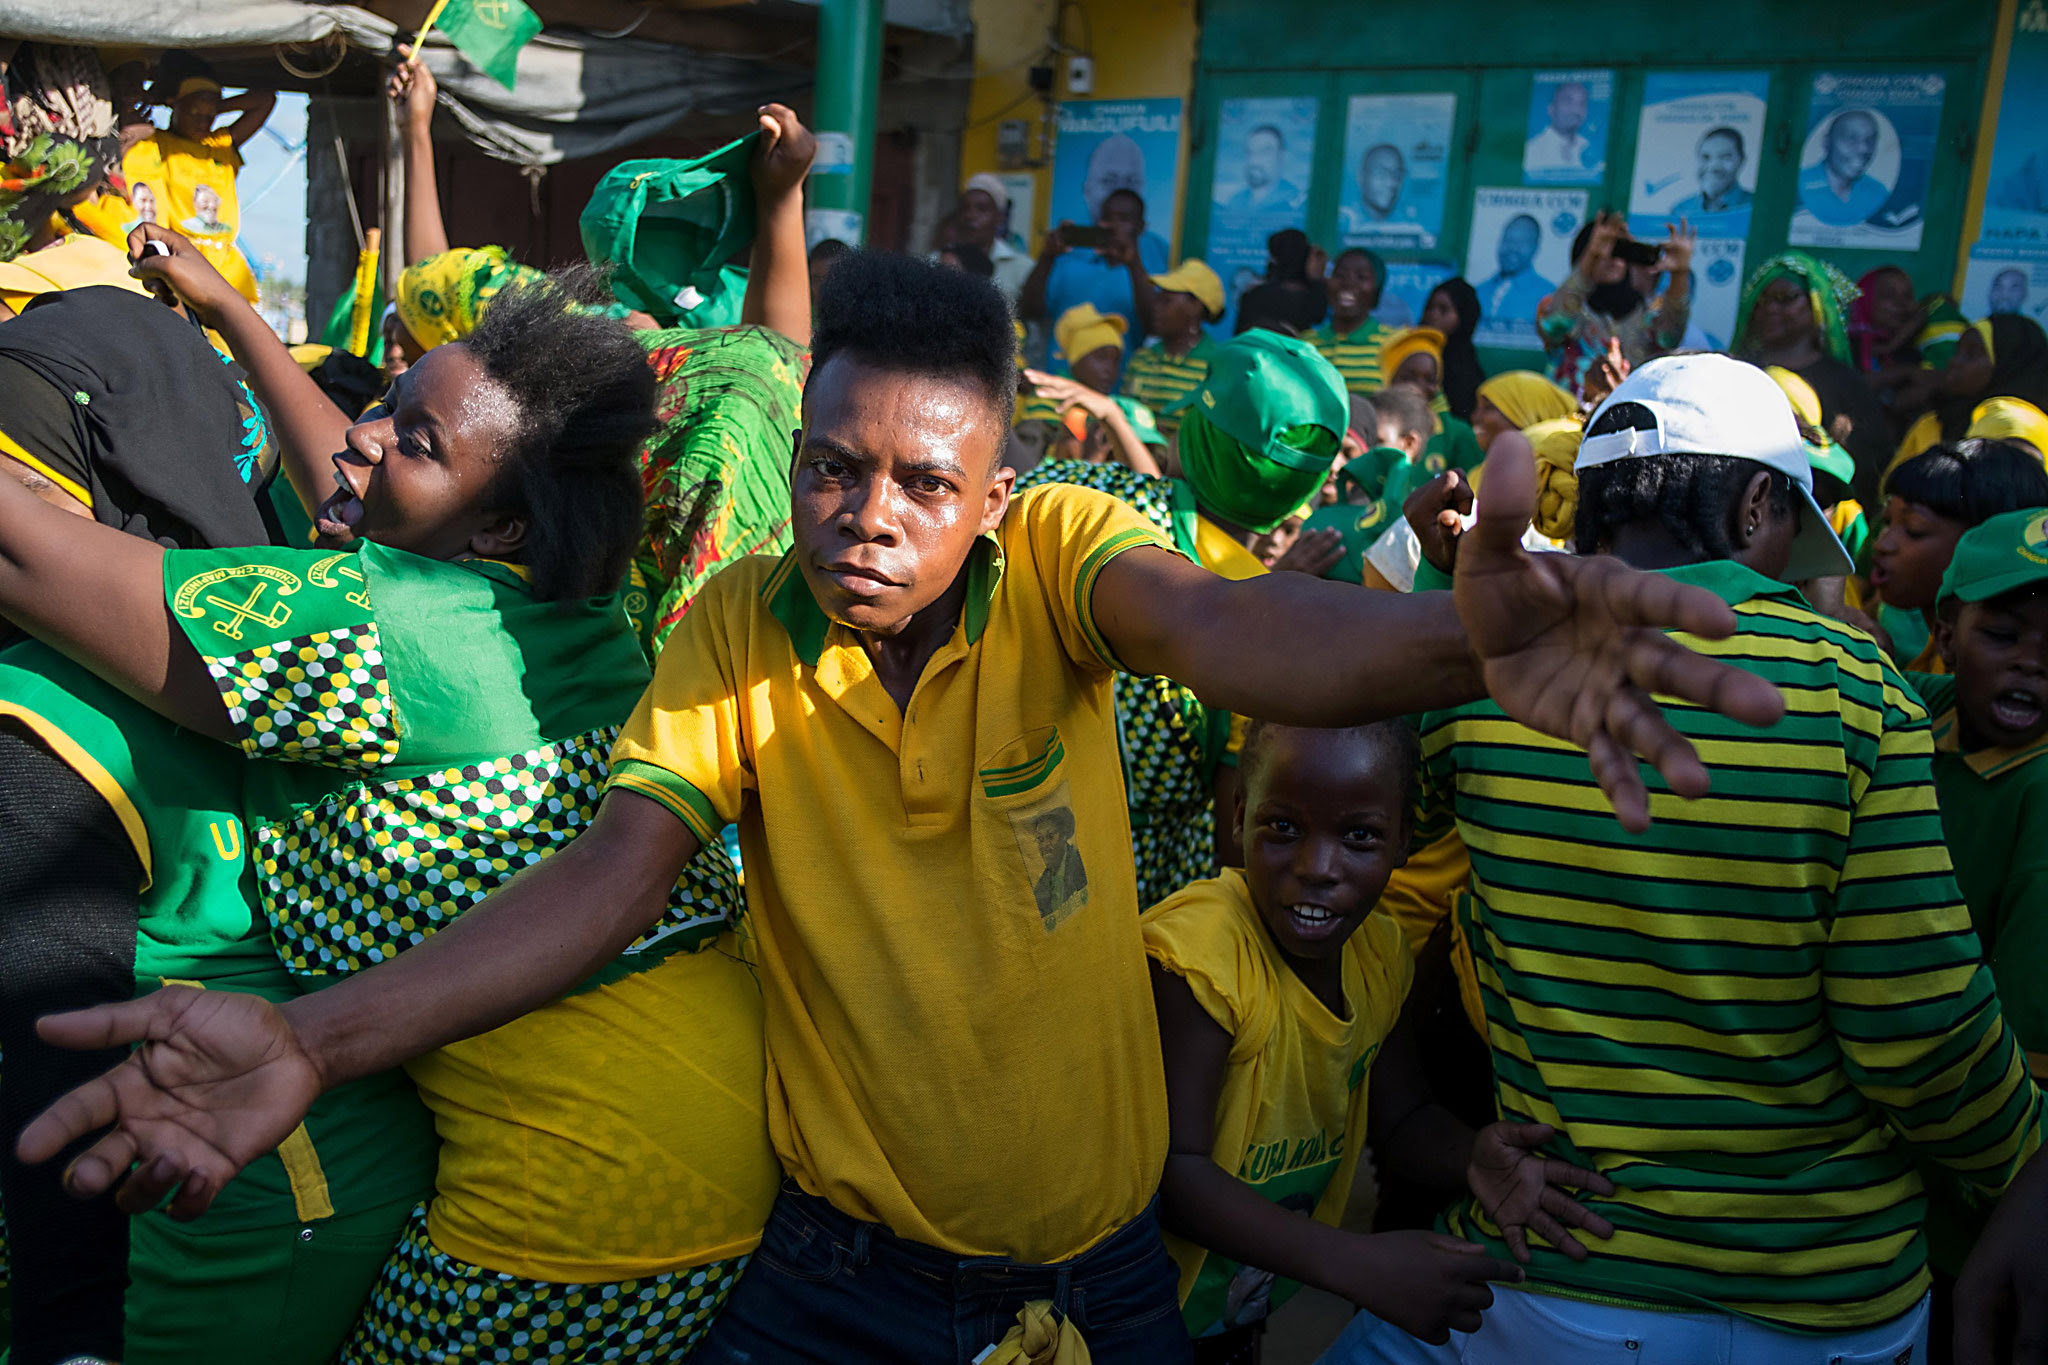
x,y
1575,646
1523,1191
783,156
219,1080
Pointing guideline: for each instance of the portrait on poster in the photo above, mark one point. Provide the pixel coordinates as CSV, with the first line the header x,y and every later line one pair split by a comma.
x,y
1867,160
1110,145
2016,200
1396,162
1519,250
1698,142
1570,113
1265,152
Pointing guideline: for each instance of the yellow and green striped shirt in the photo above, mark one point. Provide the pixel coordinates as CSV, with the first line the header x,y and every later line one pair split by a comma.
x,y
1355,354
1753,1016
1159,379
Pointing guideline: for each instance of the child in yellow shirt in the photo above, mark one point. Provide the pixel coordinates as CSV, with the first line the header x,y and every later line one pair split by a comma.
x,y
1279,992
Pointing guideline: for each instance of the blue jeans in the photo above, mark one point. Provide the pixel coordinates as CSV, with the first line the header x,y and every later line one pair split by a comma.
x,y
827,1287
1524,1328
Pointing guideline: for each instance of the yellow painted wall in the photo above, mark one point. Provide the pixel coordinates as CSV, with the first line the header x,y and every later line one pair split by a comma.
x,y
1142,49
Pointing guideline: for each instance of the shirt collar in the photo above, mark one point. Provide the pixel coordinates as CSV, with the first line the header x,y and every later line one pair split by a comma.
x,y
789,599
1986,763
1733,583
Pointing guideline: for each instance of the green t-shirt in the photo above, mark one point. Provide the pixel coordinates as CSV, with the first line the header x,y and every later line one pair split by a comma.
x,y
179,797
1994,815
1453,446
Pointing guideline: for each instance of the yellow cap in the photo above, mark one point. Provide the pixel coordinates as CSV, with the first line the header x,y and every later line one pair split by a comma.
x,y
1081,329
1193,276
2010,419
192,85
1415,341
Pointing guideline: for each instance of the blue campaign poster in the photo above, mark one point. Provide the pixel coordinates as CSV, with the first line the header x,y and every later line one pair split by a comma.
x,y
1520,250
1407,289
1396,160
1110,145
1265,154
1697,147
1868,156
1570,113
2015,219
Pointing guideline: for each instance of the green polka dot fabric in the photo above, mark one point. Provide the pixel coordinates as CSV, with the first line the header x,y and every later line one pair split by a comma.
x,y
373,869
1162,727
429,1308
319,698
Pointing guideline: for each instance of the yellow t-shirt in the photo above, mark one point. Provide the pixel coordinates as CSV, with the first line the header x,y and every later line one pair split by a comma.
x,y
961,1043
1291,1117
548,1161
190,187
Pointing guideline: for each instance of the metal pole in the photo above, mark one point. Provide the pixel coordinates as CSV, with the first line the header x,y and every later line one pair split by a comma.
x,y
849,83
393,263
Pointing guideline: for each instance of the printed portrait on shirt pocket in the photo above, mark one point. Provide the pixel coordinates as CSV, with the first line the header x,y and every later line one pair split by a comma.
x,y
1026,784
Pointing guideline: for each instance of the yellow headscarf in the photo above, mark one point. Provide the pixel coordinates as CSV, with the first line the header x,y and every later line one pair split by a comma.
x,y
1081,330
442,298
1414,341
1556,443
1525,398
2000,419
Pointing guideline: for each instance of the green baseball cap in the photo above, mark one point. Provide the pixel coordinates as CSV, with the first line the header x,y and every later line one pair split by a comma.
x,y
666,229
1142,421
1262,386
2007,552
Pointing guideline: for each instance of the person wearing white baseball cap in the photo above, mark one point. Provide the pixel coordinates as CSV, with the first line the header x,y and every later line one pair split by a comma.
x,y
1724,417
982,219
1764,1016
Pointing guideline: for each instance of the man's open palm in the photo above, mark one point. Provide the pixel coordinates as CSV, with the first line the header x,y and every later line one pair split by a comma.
x,y
1574,646
218,1081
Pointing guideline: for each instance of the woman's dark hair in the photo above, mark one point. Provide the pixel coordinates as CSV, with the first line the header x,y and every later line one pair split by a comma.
x,y
1288,249
972,259
1692,496
1971,480
1462,372
900,313
586,403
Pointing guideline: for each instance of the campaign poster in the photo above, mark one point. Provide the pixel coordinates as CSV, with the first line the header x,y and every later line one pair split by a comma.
x,y
1520,251
1110,145
1868,156
1716,291
1697,147
1265,152
1396,167
1570,113
2015,218
2006,284
1406,291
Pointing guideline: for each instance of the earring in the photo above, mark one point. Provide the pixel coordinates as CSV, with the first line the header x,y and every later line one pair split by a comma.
x,y
1751,529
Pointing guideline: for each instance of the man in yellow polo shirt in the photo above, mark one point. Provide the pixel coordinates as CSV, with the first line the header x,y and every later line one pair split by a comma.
x,y
904,714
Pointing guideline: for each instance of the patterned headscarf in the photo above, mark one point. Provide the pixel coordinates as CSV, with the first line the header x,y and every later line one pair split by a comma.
x,y
442,298
56,136
1555,442
1828,289
716,474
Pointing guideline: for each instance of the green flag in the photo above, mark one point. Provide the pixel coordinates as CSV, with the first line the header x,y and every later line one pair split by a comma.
x,y
490,33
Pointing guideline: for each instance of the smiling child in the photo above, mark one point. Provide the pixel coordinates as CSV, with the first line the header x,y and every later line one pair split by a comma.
x,y
1930,501
1278,988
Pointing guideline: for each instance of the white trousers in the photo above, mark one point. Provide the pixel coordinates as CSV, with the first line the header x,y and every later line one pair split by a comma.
x,y
1535,1329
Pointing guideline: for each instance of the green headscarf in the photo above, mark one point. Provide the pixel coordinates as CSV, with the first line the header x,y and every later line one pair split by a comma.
x,y
1259,436
1828,289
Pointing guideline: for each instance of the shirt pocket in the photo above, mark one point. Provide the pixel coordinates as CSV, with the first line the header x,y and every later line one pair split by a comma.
x,y
1028,833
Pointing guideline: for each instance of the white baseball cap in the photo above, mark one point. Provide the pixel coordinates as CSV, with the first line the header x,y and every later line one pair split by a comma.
x,y
1718,405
